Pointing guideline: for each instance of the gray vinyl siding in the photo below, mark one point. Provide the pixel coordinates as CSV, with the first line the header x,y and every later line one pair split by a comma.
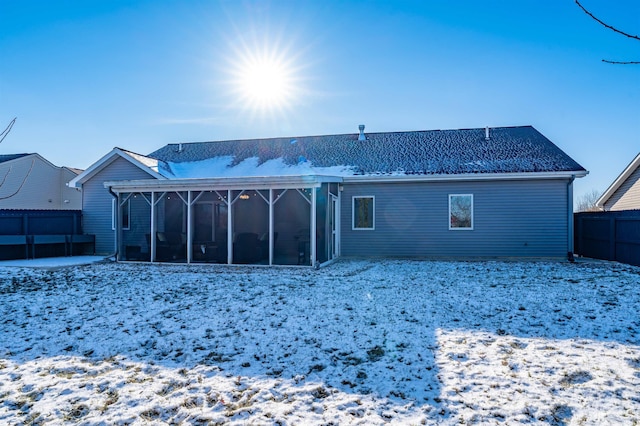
x,y
96,202
71,197
35,184
627,196
511,218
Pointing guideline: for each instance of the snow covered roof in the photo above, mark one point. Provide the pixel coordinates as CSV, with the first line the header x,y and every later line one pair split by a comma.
x,y
151,163
435,152
147,164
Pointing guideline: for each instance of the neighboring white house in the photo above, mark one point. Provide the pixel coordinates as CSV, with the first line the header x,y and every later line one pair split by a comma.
x,y
624,192
30,182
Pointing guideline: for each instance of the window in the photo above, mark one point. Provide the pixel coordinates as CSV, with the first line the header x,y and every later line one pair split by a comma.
x,y
460,211
125,212
363,213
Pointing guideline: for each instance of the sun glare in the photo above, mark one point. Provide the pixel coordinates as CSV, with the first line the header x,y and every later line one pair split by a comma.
x,y
263,80
265,83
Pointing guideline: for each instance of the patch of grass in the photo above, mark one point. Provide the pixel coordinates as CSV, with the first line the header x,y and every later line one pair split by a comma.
x,y
150,414
277,372
352,360
112,398
348,383
76,413
316,367
375,353
191,403
33,419
214,357
320,393
170,387
575,378
65,374
137,379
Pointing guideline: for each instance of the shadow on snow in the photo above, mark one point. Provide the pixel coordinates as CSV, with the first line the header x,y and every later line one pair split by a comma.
x,y
362,327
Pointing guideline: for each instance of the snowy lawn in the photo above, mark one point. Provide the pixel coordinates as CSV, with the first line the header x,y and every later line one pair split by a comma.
x,y
359,342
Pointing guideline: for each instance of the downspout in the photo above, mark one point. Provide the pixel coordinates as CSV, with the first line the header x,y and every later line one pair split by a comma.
x,y
115,254
570,219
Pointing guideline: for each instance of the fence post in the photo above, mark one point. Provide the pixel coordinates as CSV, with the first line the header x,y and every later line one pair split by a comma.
x,y
612,238
578,233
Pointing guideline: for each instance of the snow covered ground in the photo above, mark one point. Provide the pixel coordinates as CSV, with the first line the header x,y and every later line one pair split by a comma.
x,y
359,342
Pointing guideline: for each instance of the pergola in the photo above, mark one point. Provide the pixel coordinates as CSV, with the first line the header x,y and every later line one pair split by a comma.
x,y
281,220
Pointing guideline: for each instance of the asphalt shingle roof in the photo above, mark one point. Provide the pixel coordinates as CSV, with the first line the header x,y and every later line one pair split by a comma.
x,y
9,157
508,150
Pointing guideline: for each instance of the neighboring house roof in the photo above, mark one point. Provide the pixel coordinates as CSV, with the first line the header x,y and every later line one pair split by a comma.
x,y
9,157
147,164
74,170
435,152
620,180
31,182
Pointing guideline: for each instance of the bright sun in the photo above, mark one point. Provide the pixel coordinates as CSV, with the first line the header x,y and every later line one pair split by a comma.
x,y
265,83
264,80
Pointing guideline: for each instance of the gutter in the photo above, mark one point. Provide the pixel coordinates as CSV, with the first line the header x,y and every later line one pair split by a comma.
x,y
117,211
464,177
570,222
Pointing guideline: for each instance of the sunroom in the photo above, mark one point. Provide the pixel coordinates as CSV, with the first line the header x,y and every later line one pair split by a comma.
x,y
283,220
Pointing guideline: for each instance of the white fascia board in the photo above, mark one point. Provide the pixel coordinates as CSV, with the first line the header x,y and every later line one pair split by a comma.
x,y
206,184
635,163
105,161
465,177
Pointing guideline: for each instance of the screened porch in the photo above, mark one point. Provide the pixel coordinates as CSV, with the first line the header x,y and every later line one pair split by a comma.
x,y
255,221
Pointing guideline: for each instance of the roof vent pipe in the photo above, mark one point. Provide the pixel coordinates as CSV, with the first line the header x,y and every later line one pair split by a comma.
x,y
486,133
361,136
179,147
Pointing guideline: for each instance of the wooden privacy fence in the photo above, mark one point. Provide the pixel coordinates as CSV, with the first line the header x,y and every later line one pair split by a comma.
x,y
608,235
43,233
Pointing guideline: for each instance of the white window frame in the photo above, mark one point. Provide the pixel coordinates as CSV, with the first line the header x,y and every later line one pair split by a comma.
x,y
353,213
113,214
452,228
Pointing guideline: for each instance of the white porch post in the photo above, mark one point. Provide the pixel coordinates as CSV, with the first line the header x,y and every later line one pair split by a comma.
x,y
229,228
152,235
271,245
118,235
312,237
338,220
189,225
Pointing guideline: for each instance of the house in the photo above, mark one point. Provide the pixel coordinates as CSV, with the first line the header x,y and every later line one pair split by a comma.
x,y
30,182
39,214
624,192
470,193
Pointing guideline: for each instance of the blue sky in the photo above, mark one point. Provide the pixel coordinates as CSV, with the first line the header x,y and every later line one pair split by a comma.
x,y
85,76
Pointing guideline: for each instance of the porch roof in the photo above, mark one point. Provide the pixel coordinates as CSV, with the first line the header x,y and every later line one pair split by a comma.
x,y
223,183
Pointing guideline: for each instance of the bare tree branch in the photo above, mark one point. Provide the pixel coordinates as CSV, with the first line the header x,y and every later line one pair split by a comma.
x,y
21,184
606,25
612,28
587,202
6,131
5,176
621,62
